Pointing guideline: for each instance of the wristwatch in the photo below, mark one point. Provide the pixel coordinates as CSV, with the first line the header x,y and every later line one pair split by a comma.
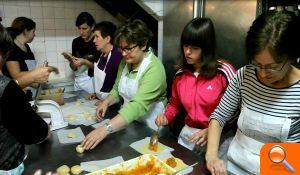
x,y
109,128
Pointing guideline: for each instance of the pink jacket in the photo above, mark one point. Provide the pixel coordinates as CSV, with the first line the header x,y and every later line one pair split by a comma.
x,y
198,96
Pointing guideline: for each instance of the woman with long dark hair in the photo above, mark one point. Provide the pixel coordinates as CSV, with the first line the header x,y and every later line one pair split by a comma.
x,y
21,64
199,84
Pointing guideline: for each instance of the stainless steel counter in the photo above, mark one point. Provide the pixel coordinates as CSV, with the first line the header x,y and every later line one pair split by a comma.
x,y
51,154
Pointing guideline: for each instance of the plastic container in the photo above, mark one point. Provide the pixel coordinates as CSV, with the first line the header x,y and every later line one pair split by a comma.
x,y
56,95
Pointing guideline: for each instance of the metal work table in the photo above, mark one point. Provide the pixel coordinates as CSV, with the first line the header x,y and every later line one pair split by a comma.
x,y
51,154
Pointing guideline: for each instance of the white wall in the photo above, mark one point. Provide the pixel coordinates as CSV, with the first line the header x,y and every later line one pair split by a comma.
x,y
55,28
155,9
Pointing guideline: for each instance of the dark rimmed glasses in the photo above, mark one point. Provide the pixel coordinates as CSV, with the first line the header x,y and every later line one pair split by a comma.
x,y
128,50
272,69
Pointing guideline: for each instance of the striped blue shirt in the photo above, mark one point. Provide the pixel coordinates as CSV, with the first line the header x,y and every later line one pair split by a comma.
x,y
245,90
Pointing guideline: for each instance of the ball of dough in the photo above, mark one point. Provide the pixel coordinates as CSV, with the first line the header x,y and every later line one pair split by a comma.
x,y
79,149
72,135
86,114
89,118
64,169
76,169
71,117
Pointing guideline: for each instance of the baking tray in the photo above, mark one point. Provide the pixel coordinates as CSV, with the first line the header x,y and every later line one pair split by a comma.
x,y
146,164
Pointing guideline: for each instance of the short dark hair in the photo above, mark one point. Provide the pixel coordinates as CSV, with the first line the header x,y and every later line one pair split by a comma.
x,y
135,32
200,32
276,31
85,17
19,25
107,29
6,41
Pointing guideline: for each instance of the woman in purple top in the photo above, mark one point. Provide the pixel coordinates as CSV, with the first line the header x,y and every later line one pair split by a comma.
x,y
105,70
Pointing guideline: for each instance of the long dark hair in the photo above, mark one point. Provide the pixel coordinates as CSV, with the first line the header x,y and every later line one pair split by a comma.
x,y
276,31
200,32
6,42
19,25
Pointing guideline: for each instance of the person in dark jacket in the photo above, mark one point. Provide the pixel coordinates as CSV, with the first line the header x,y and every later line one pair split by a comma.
x,y
19,124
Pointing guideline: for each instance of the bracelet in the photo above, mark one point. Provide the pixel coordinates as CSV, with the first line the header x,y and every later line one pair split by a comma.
x,y
109,127
17,82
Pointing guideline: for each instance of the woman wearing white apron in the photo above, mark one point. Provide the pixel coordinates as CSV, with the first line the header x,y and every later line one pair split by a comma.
x,y
105,70
141,83
267,91
84,53
21,64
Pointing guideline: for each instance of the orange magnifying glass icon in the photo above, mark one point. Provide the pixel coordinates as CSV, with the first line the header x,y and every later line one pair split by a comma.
x,y
277,154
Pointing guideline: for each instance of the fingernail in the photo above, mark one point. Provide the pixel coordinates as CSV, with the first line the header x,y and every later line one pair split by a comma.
x,y
49,173
38,172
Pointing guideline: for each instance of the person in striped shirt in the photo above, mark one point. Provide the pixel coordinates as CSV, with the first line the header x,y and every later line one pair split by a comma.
x,y
268,93
199,84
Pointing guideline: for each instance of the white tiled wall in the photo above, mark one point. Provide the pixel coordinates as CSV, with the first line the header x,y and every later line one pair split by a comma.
x,y
55,28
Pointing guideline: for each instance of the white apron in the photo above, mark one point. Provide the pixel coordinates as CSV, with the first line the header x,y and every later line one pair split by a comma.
x,y
254,129
99,77
31,64
83,81
128,88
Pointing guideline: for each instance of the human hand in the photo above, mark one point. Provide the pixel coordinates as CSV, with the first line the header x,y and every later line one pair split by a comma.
x,y
78,61
215,165
94,138
41,74
101,110
67,55
98,102
53,69
90,96
161,120
200,137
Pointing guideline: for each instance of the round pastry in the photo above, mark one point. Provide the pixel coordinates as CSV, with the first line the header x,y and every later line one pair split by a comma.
x,y
72,135
76,169
71,117
79,149
64,169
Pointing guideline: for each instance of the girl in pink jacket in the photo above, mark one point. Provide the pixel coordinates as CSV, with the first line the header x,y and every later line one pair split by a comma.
x,y
199,84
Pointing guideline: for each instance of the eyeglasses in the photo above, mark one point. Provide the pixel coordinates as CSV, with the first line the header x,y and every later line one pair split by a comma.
x,y
269,69
128,50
